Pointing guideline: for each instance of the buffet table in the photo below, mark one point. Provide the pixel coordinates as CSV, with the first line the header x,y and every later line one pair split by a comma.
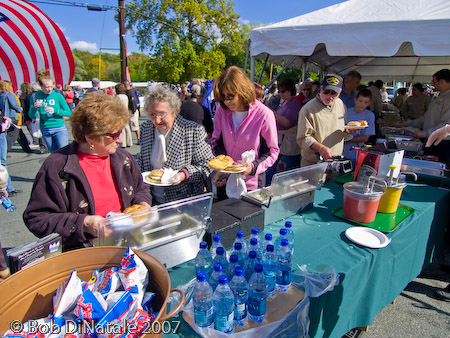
x,y
370,278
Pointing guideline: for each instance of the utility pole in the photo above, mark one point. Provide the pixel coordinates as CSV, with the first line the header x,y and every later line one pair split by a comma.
x,y
123,46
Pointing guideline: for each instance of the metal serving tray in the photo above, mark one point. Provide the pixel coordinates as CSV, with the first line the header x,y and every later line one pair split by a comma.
x,y
291,192
425,167
171,232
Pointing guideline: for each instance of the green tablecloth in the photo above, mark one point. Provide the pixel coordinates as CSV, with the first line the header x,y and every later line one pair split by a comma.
x,y
370,278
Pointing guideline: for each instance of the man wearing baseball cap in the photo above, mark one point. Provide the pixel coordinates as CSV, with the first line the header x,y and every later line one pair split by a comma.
x,y
321,123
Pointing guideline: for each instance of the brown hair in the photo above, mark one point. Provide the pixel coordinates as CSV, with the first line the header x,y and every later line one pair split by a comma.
x,y
120,88
25,88
96,115
234,81
259,91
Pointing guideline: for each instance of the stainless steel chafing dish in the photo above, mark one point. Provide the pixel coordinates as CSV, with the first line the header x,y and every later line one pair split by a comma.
x,y
171,232
424,167
407,143
290,193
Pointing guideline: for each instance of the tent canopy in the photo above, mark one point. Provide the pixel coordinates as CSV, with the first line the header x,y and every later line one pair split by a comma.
x,y
402,40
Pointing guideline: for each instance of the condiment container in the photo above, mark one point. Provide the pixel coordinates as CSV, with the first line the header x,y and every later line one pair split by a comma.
x,y
391,198
361,202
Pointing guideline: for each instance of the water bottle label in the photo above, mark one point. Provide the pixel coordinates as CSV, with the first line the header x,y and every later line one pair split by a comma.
x,y
257,307
283,277
7,203
240,311
224,323
203,318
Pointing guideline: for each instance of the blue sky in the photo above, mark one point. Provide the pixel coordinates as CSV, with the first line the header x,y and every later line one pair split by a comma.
x,y
91,30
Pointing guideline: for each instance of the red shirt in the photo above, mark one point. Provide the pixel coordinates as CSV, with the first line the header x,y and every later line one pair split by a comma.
x,y
101,180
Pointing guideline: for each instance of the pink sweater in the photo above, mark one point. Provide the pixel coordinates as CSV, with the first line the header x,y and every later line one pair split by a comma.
x,y
260,121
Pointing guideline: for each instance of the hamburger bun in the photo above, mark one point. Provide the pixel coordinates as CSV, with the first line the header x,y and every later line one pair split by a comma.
x,y
139,213
354,123
220,162
156,174
363,122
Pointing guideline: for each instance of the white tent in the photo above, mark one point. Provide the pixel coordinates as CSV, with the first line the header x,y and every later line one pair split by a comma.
x,y
402,40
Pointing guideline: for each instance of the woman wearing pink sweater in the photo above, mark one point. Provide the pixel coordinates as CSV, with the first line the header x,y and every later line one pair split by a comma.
x,y
242,123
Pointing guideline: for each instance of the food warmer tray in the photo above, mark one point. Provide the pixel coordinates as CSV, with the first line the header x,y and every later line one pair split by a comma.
x,y
171,232
290,193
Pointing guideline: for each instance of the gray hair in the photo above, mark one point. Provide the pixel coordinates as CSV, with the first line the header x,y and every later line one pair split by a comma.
x,y
353,74
35,86
162,94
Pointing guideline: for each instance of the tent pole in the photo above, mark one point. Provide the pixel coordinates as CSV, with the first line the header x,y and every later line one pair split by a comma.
x,y
252,68
247,52
264,67
281,71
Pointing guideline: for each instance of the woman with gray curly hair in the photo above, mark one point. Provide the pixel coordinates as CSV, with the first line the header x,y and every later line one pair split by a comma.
x,y
170,141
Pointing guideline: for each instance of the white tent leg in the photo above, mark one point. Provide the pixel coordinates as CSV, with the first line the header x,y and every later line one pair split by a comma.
x,y
252,68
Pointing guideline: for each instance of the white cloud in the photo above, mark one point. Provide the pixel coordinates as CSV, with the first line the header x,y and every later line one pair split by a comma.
x,y
116,31
244,21
90,47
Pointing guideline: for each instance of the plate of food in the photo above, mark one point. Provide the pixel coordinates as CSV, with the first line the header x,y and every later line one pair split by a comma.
x,y
234,168
356,125
154,177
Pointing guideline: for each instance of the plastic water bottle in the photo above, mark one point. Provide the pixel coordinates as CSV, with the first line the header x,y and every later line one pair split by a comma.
x,y
254,246
270,269
232,264
221,257
242,256
203,302
254,234
240,239
218,271
203,260
250,263
7,204
239,286
283,234
257,295
290,235
215,244
267,241
223,301
284,265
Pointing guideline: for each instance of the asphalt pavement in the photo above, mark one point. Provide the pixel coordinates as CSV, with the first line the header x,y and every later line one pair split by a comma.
x,y
415,313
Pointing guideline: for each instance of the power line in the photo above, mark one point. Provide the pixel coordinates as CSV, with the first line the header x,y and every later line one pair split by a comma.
x,y
91,7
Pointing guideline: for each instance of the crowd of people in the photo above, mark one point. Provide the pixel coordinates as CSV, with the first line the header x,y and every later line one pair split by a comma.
x,y
286,125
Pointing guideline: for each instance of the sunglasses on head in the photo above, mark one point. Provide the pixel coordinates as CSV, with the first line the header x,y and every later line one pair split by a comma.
x,y
114,136
329,91
229,97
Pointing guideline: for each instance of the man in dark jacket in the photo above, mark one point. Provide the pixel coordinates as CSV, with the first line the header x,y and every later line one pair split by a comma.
x,y
133,103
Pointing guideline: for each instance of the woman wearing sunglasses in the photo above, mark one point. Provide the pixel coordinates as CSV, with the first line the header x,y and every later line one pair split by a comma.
x,y
80,183
242,123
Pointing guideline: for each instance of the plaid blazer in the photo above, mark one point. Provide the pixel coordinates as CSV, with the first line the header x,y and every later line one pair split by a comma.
x,y
186,148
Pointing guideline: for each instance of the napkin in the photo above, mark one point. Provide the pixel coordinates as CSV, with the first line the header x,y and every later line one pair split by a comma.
x,y
236,184
166,178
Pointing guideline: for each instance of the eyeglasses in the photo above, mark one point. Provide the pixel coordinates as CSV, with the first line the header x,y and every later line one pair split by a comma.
x,y
160,115
283,91
329,91
229,97
307,89
114,136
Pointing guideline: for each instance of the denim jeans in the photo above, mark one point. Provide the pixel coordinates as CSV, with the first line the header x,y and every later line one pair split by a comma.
x,y
55,139
3,152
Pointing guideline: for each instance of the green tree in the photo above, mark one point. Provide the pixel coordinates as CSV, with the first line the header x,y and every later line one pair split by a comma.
x,y
79,74
187,38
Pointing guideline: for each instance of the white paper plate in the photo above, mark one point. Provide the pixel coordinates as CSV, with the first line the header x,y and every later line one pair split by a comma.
x,y
232,171
144,177
355,127
367,237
